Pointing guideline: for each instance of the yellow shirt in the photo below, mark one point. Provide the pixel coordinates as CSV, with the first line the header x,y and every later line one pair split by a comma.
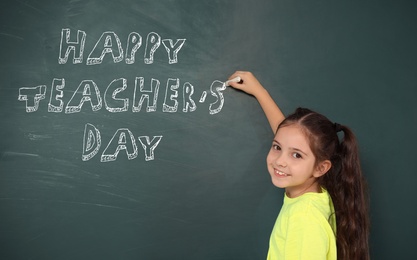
x,y
305,229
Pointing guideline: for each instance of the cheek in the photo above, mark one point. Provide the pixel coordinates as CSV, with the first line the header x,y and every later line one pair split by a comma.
x,y
268,158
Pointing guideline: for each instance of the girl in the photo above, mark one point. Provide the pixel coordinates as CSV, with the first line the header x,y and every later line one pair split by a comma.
x,y
324,214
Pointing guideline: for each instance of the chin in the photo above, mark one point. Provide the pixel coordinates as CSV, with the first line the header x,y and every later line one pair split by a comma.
x,y
278,184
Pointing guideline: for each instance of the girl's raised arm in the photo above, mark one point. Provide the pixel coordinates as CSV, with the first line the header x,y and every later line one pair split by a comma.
x,y
251,85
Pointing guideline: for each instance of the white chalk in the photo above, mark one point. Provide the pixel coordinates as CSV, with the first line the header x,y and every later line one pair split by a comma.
x,y
237,79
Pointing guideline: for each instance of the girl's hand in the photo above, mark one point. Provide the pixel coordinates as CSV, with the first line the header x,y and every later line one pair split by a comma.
x,y
249,83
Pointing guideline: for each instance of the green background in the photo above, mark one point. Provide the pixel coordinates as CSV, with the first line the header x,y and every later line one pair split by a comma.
x,y
207,194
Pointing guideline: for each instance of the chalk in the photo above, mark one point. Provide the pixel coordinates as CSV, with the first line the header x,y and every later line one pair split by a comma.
x,y
237,79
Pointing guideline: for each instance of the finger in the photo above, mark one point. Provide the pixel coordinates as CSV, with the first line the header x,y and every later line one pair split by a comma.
x,y
234,75
237,85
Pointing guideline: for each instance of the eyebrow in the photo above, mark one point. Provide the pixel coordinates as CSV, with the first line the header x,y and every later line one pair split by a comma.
x,y
292,148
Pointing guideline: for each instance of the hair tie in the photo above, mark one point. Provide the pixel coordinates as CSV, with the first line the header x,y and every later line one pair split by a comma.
x,y
338,127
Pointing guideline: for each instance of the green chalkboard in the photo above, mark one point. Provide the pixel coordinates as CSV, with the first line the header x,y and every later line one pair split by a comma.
x,y
118,139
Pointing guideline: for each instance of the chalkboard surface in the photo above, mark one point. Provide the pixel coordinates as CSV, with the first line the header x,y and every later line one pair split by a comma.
x,y
119,141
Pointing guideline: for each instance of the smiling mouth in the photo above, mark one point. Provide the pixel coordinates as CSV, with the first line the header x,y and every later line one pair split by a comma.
x,y
280,173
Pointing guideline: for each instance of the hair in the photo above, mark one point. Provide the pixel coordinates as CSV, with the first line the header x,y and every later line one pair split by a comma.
x,y
344,180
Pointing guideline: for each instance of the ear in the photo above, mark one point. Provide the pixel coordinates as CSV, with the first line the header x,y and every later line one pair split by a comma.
x,y
322,168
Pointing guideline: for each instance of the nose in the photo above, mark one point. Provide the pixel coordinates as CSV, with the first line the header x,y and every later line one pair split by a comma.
x,y
279,160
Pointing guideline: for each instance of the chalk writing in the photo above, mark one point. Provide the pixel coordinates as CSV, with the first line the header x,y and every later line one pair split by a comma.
x,y
122,140
178,96
109,44
89,91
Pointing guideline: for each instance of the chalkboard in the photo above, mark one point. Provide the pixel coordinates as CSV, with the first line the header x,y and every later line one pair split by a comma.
x,y
118,139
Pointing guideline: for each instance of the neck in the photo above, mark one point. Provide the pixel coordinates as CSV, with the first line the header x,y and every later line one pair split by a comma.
x,y
313,187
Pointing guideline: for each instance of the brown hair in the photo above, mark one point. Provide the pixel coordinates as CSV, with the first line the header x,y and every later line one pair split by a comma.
x,y
344,181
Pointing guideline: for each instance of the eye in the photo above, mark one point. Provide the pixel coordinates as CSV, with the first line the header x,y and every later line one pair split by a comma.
x,y
276,147
297,155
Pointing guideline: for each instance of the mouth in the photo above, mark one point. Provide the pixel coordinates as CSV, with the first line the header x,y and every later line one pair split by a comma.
x,y
280,173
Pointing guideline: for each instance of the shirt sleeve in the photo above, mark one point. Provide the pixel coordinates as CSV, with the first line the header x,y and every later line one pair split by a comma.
x,y
306,238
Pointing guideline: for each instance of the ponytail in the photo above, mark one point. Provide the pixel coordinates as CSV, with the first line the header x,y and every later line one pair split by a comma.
x,y
344,181
347,188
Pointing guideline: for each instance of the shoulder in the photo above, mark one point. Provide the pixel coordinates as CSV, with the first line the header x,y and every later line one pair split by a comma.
x,y
308,219
310,208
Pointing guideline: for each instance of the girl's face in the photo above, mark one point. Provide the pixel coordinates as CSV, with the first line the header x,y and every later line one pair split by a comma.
x,y
291,163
